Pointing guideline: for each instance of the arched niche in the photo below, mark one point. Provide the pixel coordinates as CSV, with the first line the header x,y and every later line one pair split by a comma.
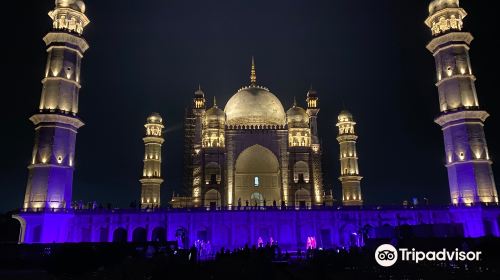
x,y
257,170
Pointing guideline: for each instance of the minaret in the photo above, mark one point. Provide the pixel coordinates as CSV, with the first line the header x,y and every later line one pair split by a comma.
x,y
461,119
50,181
198,115
349,170
151,175
312,101
313,110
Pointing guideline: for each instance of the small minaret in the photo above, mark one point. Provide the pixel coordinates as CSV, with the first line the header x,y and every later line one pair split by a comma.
x,y
50,180
151,175
349,171
469,166
312,101
197,117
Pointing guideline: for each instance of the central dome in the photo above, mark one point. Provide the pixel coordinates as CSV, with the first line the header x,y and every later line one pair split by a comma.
x,y
254,105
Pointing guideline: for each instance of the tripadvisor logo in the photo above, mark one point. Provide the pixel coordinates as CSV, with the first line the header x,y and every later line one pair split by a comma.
x,y
387,255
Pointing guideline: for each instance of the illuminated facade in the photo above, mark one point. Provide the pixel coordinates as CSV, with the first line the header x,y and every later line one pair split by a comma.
x,y
50,180
252,152
253,171
467,160
349,169
151,175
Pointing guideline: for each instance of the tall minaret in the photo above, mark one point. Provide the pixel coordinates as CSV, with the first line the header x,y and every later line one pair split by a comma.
x,y
198,115
312,101
467,160
349,170
151,174
50,181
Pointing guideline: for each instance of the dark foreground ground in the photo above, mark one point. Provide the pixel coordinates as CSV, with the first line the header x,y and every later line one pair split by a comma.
x,y
164,261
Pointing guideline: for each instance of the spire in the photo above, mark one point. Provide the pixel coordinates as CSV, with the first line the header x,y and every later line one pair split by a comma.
x,y
294,102
199,93
311,92
253,75
215,102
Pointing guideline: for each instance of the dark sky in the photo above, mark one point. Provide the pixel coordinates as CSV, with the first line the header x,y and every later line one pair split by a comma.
x,y
151,55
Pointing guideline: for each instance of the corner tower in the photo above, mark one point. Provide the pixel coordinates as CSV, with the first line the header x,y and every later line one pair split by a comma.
x,y
469,166
349,170
312,101
50,180
193,126
151,175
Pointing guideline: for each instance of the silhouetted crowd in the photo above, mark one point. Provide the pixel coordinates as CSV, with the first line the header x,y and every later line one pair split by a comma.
x,y
165,261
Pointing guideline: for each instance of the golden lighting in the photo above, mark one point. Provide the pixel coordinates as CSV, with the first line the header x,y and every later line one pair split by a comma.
x,y
477,154
446,19
196,192
449,71
299,137
69,19
311,103
253,74
199,103
461,156
315,148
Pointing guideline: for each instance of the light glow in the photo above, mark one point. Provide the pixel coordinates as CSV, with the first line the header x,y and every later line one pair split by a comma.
x,y
461,155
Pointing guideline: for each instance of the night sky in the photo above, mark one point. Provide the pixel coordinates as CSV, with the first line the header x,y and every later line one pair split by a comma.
x,y
151,55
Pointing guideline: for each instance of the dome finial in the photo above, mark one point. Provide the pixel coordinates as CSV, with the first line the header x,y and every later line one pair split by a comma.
x,y
294,102
215,102
253,75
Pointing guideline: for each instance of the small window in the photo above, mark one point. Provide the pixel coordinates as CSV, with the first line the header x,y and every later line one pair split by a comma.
x,y
256,181
301,178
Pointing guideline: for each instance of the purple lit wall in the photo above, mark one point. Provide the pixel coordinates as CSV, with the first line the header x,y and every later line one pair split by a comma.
x,y
231,229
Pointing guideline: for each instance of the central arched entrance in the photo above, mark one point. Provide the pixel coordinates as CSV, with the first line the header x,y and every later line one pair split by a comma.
x,y
257,171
